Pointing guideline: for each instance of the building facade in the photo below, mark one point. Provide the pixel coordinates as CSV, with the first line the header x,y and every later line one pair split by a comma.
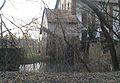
x,y
88,18
68,28
63,30
91,30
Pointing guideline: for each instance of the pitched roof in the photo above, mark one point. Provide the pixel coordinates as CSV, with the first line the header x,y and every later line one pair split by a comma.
x,y
55,15
109,1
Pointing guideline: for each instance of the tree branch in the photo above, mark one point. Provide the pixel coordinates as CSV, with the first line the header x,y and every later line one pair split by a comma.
x,y
3,4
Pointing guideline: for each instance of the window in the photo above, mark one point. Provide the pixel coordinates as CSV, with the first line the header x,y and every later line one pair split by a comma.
x,y
68,6
62,6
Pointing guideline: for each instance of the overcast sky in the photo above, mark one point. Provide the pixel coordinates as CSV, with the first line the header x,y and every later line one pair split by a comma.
x,y
24,10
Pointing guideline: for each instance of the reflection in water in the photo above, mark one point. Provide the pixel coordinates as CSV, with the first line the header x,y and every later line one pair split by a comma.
x,y
37,67
42,67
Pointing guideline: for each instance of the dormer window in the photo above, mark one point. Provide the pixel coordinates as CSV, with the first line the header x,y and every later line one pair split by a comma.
x,y
62,6
68,6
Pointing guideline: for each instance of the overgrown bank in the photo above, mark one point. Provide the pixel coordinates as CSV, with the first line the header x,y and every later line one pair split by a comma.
x,y
35,77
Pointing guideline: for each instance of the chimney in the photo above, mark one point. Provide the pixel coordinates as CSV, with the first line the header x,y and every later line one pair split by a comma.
x,y
64,4
73,7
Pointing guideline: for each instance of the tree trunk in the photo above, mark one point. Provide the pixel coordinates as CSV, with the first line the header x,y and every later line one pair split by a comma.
x,y
119,11
109,40
104,23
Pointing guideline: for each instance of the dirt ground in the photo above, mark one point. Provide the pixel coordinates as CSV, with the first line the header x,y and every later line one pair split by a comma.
x,y
37,77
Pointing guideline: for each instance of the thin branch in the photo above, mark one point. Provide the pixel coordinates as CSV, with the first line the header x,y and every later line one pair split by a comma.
x,y
3,4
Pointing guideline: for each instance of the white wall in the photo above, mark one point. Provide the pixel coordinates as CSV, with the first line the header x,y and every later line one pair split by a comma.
x,y
70,29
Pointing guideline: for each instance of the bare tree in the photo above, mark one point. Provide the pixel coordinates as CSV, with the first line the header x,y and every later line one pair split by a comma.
x,y
3,4
119,11
105,24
